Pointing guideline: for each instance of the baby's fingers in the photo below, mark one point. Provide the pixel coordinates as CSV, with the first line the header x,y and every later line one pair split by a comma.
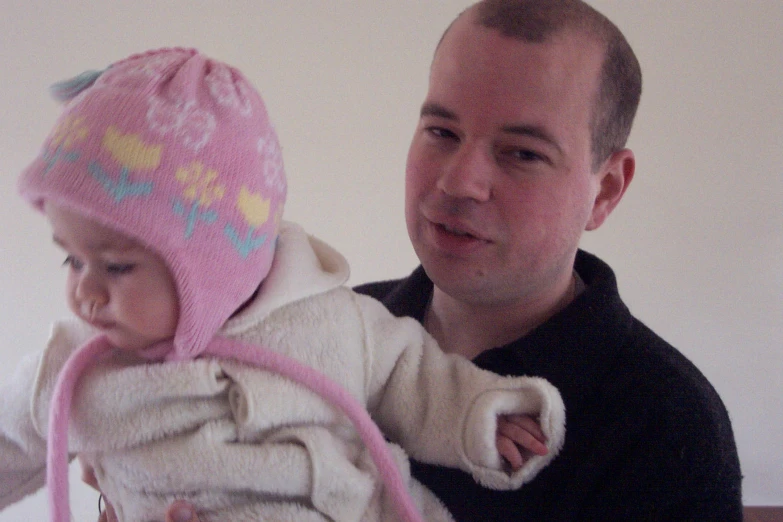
x,y
524,431
510,452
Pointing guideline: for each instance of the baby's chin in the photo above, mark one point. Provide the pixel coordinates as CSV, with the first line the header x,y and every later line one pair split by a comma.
x,y
157,351
146,349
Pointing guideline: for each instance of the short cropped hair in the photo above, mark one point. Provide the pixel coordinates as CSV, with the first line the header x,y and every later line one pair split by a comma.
x,y
620,83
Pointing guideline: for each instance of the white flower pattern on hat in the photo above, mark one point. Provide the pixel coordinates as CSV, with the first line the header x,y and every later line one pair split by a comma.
x,y
273,173
229,92
192,125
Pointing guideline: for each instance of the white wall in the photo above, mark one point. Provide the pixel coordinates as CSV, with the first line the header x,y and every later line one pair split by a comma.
x,y
696,243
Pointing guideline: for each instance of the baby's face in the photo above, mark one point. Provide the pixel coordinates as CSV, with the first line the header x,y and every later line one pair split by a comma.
x,y
114,283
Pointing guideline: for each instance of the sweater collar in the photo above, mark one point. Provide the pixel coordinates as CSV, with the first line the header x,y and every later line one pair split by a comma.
x,y
571,349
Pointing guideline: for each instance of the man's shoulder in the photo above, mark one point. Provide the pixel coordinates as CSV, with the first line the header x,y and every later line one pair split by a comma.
x,y
646,380
670,391
662,366
643,361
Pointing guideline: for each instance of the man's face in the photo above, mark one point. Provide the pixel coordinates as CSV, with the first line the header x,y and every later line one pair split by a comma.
x,y
499,184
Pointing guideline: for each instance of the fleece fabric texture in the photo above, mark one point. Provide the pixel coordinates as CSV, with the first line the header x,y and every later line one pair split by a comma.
x,y
243,444
648,436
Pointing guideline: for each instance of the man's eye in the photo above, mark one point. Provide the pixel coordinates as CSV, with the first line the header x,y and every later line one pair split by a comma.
x,y
119,268
526,155
441,132
73,263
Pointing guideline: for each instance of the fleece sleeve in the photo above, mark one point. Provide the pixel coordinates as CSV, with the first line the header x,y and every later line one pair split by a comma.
x,y
22,448
22,435
442,409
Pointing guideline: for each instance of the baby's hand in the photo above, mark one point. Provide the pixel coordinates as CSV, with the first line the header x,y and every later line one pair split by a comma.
x,y
519,437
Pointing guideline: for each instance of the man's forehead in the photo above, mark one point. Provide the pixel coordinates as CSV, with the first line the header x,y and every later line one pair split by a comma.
x,y
569,59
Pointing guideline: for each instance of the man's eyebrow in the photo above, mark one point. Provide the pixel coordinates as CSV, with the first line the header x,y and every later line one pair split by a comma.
x,y
438,110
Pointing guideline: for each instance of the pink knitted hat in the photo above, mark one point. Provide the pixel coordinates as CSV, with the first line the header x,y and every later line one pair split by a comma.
x,y
175,150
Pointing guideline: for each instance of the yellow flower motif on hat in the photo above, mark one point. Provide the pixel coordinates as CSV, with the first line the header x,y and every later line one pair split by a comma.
x,y
201,190
253,207
70,131
130,151
200,184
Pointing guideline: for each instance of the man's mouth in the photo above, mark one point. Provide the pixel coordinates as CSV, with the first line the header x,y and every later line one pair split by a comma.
x,y
456,231
456,238
451,230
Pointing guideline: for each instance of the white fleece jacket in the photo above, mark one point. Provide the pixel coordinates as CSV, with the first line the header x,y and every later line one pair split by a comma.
x,y
244,444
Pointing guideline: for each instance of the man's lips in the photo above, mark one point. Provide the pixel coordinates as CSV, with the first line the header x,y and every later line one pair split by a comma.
x,y
457,231
455,227
451,231
455,239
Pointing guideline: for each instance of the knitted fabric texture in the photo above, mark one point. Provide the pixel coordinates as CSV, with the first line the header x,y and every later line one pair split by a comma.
x,y
175,150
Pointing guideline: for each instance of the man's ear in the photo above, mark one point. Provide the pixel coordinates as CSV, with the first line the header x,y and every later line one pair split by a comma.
x,y
614,177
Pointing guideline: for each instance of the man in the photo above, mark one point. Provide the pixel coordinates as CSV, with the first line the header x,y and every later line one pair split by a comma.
x,y
519,149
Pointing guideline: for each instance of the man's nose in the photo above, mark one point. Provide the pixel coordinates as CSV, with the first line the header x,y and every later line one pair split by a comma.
x,y
468,174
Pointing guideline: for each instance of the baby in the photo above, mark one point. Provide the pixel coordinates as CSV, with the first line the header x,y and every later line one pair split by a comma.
x,y
218,357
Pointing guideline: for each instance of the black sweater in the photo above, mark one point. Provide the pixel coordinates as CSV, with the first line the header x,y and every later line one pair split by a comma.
x,y
647,436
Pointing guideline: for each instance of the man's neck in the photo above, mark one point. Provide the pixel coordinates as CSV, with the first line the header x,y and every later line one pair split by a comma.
x,y
469,329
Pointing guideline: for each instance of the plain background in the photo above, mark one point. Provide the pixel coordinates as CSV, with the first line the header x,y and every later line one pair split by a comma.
x,y
696,243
